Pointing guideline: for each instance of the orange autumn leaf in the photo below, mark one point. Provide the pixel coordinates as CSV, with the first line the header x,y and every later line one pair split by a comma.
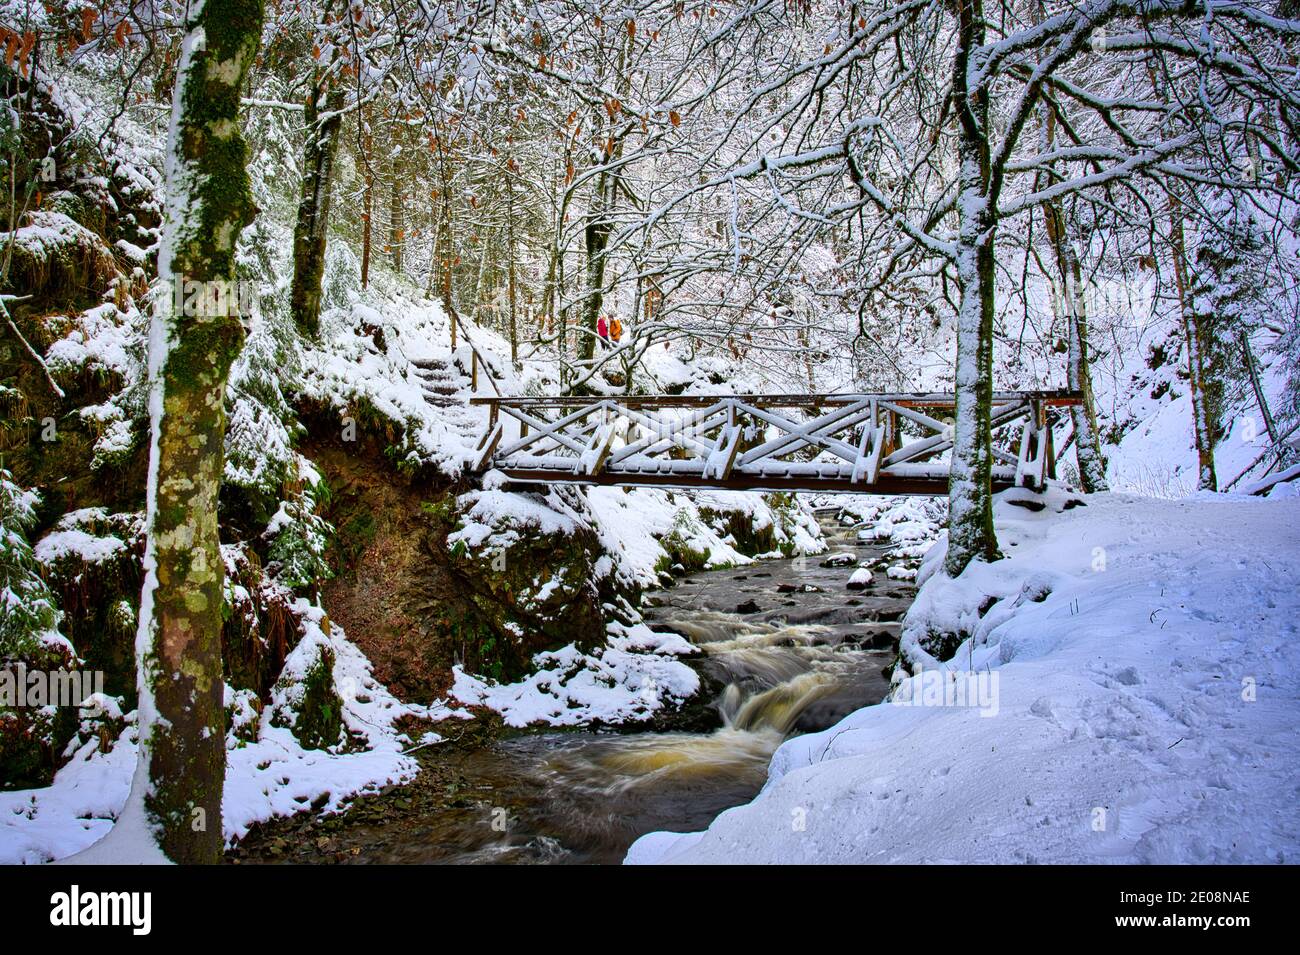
x,y
675,117
29,41
631,29
121,33
87,23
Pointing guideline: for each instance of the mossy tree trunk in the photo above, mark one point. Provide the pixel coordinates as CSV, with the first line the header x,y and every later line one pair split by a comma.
x,y
324,101
209,203
970,500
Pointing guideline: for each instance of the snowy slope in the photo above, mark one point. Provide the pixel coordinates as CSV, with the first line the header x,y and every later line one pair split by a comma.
x,y
1145,710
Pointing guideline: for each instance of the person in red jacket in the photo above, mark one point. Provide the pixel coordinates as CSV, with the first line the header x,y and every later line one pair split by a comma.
x,y
602,331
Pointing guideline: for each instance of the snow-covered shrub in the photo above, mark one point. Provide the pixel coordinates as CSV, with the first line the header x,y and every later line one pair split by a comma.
x,y
243,716
260,425
686,544
29,736
28,613
299,536
92,559
259,626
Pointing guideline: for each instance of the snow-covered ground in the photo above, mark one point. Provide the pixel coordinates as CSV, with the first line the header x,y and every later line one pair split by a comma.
x,y
268,772
1130,697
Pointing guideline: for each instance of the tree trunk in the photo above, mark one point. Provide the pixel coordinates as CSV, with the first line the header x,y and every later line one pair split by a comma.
x,y
367,216
1203,423
177,790
314,204
396,217
446,245
970,499
1202,418
1087,446
596,237
511,289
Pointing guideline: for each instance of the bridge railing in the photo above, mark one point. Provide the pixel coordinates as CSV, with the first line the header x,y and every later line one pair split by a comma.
x,y
827,442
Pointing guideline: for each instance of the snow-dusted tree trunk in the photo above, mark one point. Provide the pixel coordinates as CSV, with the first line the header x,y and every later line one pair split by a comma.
x,y
323,123
1202,422
178,786
596,235
1078,375
970,512
1087,443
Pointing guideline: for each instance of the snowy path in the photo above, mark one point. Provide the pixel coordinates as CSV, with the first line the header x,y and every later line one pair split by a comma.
x,y
1147,711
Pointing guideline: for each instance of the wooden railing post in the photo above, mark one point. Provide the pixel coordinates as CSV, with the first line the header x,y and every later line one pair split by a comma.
x,y
1051,449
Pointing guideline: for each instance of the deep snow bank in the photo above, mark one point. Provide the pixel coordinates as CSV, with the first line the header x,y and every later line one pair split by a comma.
x,y
1144,656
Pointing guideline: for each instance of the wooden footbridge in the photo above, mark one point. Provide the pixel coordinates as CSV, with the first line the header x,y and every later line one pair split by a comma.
x,y
868,443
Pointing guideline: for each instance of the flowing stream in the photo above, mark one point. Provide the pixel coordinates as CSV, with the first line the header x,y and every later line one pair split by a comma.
x,y
788,649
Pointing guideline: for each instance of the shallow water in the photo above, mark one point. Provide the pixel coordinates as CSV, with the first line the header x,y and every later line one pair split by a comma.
x,y
792,649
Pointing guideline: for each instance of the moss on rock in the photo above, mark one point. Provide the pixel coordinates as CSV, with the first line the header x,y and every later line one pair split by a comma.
x,y
518,592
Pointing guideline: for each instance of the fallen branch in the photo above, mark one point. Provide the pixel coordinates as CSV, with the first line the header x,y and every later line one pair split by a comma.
x,y
4,307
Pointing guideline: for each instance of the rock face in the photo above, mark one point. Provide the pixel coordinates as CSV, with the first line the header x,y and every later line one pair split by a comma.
x,y
527,586
751,537
419,593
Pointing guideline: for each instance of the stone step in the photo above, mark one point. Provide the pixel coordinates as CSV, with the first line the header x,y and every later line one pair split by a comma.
x,y
431,364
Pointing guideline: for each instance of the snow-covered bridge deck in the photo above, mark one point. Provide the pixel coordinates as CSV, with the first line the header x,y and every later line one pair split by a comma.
x,y
889,443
